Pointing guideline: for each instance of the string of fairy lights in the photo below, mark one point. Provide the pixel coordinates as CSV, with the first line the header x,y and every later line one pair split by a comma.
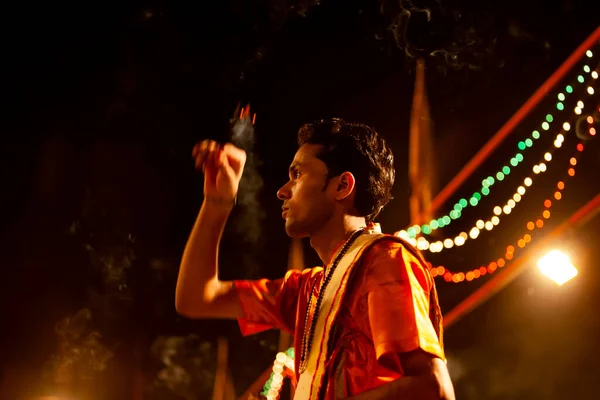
x,y
282,366
524,238
488,183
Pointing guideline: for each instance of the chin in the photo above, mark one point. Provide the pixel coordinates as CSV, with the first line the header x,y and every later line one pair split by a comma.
x,y
294,231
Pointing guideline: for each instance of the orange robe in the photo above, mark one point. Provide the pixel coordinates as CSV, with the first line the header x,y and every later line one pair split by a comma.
x,y
388,309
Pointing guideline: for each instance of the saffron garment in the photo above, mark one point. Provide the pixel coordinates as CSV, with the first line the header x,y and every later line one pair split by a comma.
x,y
388,309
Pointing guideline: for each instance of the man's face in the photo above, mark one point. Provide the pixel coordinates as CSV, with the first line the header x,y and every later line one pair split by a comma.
x,y
307,203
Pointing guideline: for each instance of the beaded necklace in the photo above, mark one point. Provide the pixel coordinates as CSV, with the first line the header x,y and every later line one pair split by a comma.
x,y
307,339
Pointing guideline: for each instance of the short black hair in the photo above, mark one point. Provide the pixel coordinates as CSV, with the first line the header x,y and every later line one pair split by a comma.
x,y
359,149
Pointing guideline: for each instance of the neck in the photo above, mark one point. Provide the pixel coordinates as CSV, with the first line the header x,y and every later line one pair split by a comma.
x,y
337,230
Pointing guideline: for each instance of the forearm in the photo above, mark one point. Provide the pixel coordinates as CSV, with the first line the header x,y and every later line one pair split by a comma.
x,y
199,263
423,387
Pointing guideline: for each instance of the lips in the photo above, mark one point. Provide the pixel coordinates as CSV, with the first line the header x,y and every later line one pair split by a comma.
x,y
284,212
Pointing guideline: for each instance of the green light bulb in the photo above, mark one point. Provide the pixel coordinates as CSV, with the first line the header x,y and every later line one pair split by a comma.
x,y
434,224
500,176
411,232
545,126
446,219
560,106
561,97
473,201
513,162
549,118
521,145
586,68
457,207
535,134
505,170
529,142
485,191
580,79
426,229
477,196
490,180
569,89
589,53
463,203
519,157
485,183
453,214
441,222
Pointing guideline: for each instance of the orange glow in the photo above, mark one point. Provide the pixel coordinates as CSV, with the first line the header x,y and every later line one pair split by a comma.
x,y
476,274
521,243
580,147
510,249
546,214
501,262
531,225
539,223
448,276
508,256
557,195
547,202
441,270
492,267
455,279
589,119
434,272
560,186
527,238
592,131
571,172
573,161
482,270
470,276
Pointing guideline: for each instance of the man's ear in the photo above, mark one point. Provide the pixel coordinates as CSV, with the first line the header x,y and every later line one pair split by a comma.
x,y
345,185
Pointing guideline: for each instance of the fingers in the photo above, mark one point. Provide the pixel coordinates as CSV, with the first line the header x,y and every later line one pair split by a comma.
x,y
206,152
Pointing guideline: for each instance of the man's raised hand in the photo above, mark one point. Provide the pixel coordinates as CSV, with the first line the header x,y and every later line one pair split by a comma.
x,y
222,166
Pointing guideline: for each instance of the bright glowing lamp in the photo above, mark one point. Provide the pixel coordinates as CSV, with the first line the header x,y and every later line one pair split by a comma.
x,y
557,266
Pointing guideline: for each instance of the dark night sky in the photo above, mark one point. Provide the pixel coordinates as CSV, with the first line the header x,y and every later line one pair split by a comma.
x,y
106,100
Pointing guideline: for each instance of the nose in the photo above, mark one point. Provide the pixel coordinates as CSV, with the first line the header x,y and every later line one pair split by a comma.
x,y
283,193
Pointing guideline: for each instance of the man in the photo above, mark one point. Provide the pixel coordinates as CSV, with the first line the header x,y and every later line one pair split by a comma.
x,y
367,325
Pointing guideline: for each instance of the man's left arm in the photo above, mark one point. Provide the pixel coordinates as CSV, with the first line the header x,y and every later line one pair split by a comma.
x,y
425,377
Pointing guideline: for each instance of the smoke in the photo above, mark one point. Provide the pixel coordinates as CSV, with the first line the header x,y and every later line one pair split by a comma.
x,y
81,353
452,38
188,366
248,222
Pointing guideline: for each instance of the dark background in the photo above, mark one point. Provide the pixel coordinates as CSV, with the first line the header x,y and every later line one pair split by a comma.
x,y
104,101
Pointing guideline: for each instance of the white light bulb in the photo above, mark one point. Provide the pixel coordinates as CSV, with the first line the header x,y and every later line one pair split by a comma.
x,y
517,197
527,181
511,203
507,210
594,74
489,226
495,220
580,104
448,243
548,157
521,190
459,240
566,127
543,167
497,210
590,90
480,224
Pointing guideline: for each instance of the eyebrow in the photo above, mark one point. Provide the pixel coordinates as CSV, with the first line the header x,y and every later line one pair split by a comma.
x,y
294,166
